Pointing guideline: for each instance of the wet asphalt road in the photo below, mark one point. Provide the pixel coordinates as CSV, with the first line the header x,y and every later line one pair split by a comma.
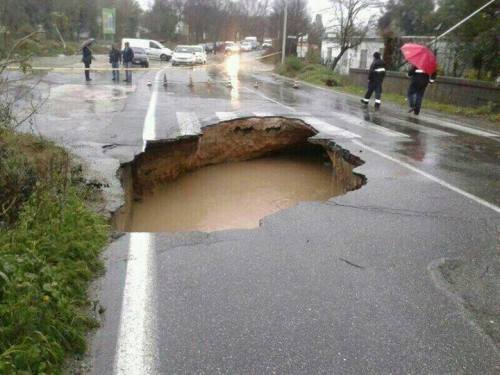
x,y
281,298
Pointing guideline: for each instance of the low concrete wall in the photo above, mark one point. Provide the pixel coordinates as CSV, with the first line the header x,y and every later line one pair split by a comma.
x,y
449,90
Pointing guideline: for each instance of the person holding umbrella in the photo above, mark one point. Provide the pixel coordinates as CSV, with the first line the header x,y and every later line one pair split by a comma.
x,y
422,72
419,81
87,57
375,80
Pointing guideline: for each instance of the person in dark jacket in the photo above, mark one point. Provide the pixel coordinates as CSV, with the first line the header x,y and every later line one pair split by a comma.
x,y
128,57
87,60
115,58
419,82
375,79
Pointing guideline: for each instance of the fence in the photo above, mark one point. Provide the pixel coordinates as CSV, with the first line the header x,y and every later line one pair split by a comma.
x,y
449,90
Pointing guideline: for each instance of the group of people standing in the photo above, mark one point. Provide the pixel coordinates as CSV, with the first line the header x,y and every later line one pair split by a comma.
x,y
116,57
416,90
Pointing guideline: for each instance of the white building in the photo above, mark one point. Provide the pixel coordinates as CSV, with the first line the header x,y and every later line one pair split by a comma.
x,y
359,57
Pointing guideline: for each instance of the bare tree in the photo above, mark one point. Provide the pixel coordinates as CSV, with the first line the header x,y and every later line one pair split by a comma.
x,y
349,27
17,104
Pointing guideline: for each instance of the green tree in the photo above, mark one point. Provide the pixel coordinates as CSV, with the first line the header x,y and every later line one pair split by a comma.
x,y
408,17
476,41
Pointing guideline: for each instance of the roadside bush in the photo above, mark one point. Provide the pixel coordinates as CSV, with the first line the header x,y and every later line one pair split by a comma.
x,y
294,64
25,162
46,263
291,67
49,251
313,56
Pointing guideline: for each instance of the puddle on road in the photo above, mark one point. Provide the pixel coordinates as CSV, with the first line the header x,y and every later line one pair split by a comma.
x,y
233,175
234,195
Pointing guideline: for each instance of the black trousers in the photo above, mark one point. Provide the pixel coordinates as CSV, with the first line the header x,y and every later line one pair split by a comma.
x,y
415,97
374,86
87,72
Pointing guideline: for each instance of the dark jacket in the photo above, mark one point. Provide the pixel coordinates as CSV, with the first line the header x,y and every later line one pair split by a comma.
x,y
419,78
115,56
377,70
128,55
86,55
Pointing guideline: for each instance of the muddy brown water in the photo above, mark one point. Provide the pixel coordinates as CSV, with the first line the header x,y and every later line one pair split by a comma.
x,y
234,195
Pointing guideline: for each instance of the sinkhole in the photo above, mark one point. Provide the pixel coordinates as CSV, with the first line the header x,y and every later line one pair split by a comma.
x,y
231,176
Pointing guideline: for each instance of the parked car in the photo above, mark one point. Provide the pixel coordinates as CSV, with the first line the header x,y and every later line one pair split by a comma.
x,y
231,47
189,55
253,41
246,47
154,49
268,43
201,54
140,57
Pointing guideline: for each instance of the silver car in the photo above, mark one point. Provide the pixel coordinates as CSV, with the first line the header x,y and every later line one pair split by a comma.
x,y
140,57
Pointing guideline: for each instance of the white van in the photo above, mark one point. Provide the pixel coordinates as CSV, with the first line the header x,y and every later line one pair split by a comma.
x,y
253,41
154,49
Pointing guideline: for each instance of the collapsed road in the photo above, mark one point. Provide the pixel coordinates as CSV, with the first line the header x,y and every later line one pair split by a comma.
x,y
359,283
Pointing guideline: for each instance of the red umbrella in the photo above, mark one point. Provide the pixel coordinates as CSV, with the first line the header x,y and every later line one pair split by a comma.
x,y
420,56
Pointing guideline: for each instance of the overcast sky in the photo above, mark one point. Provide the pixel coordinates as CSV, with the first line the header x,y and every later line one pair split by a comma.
x,y
315,5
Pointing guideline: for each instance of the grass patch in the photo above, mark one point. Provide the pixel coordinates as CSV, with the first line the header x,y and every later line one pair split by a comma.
x,y
313,73
320,75
49,252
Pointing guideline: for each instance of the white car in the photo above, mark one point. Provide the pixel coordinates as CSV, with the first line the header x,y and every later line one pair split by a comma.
x,y
268,43
253,41
154,49
189,55
201,54
246,47
232,47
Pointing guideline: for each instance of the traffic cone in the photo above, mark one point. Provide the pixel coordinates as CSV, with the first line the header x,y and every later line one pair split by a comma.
x,y
191,83
149,83
295,85
165,82
256,85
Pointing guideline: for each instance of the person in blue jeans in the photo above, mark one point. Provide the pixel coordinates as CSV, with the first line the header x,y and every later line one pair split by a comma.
x,y
115,58
419,82
128,57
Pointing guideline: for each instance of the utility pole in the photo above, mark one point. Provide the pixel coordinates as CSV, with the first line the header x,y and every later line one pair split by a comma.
x,y
285,36
463,21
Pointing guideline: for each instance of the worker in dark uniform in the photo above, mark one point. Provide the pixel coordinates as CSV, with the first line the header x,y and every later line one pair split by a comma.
x,y
375,79
419,82
87,60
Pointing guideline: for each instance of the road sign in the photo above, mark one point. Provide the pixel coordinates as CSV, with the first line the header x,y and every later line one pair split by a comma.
x,y
108,21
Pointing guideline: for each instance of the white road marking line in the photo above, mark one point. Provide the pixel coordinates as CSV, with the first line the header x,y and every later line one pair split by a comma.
x,y
135,352
188,123
226,116
328,129
134,348
356,121
431,177
465,129
270,99
149,129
